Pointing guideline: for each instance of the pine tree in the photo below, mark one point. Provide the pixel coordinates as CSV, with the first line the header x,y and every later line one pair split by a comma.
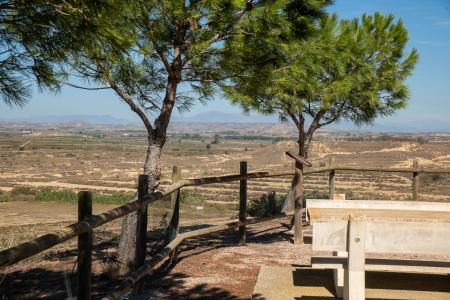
x,y
173,63
37,36
347,70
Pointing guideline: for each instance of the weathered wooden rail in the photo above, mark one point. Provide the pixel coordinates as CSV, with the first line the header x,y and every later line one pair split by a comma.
x,y
87,222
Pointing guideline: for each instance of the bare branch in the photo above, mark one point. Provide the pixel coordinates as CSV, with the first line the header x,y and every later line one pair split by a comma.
x,y
127,98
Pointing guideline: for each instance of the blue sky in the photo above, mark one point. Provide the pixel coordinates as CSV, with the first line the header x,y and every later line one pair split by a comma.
x,y
428,23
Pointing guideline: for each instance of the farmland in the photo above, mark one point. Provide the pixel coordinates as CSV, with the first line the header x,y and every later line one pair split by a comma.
x,y
39,181
109,159
60,160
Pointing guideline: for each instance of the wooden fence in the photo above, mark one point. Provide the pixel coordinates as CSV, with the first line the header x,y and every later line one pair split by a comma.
x,y
87,222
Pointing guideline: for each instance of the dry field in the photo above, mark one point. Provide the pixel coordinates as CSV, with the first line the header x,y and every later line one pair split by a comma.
x,y
108,161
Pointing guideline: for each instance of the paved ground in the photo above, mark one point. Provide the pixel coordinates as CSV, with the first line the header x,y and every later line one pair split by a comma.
x,y
318,285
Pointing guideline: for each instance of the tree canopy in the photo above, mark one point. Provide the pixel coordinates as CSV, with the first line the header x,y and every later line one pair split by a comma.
x,y
173,60
348,69
36,37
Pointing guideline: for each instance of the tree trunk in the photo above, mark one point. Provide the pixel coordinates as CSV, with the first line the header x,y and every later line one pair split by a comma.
x,y
152,167
298,191
127,243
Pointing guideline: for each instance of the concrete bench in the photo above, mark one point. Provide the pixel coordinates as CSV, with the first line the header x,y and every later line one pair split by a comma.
x,y
350,229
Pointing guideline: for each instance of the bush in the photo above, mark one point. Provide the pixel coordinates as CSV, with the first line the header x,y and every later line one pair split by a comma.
x,y
120,198
56,196
208,146
216,139
22,193
262,207
315,194
4,197
22,190
436,177
72,197
190,198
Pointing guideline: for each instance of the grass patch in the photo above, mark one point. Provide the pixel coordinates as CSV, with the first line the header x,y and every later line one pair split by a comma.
x,y
119,198
56,196
4,197
63,196
190,198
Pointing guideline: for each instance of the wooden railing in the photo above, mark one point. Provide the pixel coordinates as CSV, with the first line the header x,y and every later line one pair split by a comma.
x,y
87,222
416,170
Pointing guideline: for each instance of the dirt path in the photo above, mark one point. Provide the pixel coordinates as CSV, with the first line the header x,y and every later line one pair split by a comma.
x,y
210,267
19,213
216,267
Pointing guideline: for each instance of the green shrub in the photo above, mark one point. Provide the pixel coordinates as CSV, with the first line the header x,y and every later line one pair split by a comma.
x,y
56,196
436,177
119,198
72,197
216,139
4,197
22,190
315,194
22,193
262,207
190,198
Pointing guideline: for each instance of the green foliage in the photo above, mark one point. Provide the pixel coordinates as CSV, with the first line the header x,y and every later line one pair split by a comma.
x,y
216,139
174,58
349,69
4,197
56,196
191,198
262,207
37,36
66,196
22,190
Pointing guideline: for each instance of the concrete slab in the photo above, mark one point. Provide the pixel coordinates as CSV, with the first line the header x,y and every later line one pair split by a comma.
x,y
287,283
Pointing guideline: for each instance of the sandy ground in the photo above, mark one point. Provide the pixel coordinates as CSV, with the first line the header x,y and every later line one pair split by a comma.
x,y
19,213
209,267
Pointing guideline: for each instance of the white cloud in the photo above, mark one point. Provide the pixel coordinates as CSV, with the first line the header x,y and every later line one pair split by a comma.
x,y
443,23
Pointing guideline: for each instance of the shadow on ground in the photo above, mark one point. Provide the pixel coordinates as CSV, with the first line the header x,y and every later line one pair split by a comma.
x,y
53,276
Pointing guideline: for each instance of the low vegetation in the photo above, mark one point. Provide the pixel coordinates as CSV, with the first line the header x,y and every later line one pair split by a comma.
x,y
22,193
267,205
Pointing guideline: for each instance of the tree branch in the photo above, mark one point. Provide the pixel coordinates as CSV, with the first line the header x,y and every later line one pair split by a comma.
x,y
127,98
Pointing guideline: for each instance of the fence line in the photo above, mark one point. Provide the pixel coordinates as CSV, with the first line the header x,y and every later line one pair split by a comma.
x,y
88,223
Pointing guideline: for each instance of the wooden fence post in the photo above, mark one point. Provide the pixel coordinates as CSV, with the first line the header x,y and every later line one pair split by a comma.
x,y
141,227
84,248
298,201
172,230
242,203
416,180
272,202
331,189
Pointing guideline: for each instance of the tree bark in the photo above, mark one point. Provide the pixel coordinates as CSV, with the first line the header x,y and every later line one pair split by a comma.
x,y
127,242
152,168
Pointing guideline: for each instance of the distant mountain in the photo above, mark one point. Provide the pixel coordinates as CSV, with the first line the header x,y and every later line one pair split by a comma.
x,y
222,117
391,124
92,119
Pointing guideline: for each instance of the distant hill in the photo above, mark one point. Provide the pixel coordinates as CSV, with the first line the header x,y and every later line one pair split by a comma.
x,y
391,124
92,119
222,117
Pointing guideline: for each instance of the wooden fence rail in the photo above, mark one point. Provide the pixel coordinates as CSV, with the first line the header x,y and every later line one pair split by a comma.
x,y
87,222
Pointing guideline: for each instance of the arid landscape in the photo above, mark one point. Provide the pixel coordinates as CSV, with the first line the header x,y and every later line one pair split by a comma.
x,y
39,181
